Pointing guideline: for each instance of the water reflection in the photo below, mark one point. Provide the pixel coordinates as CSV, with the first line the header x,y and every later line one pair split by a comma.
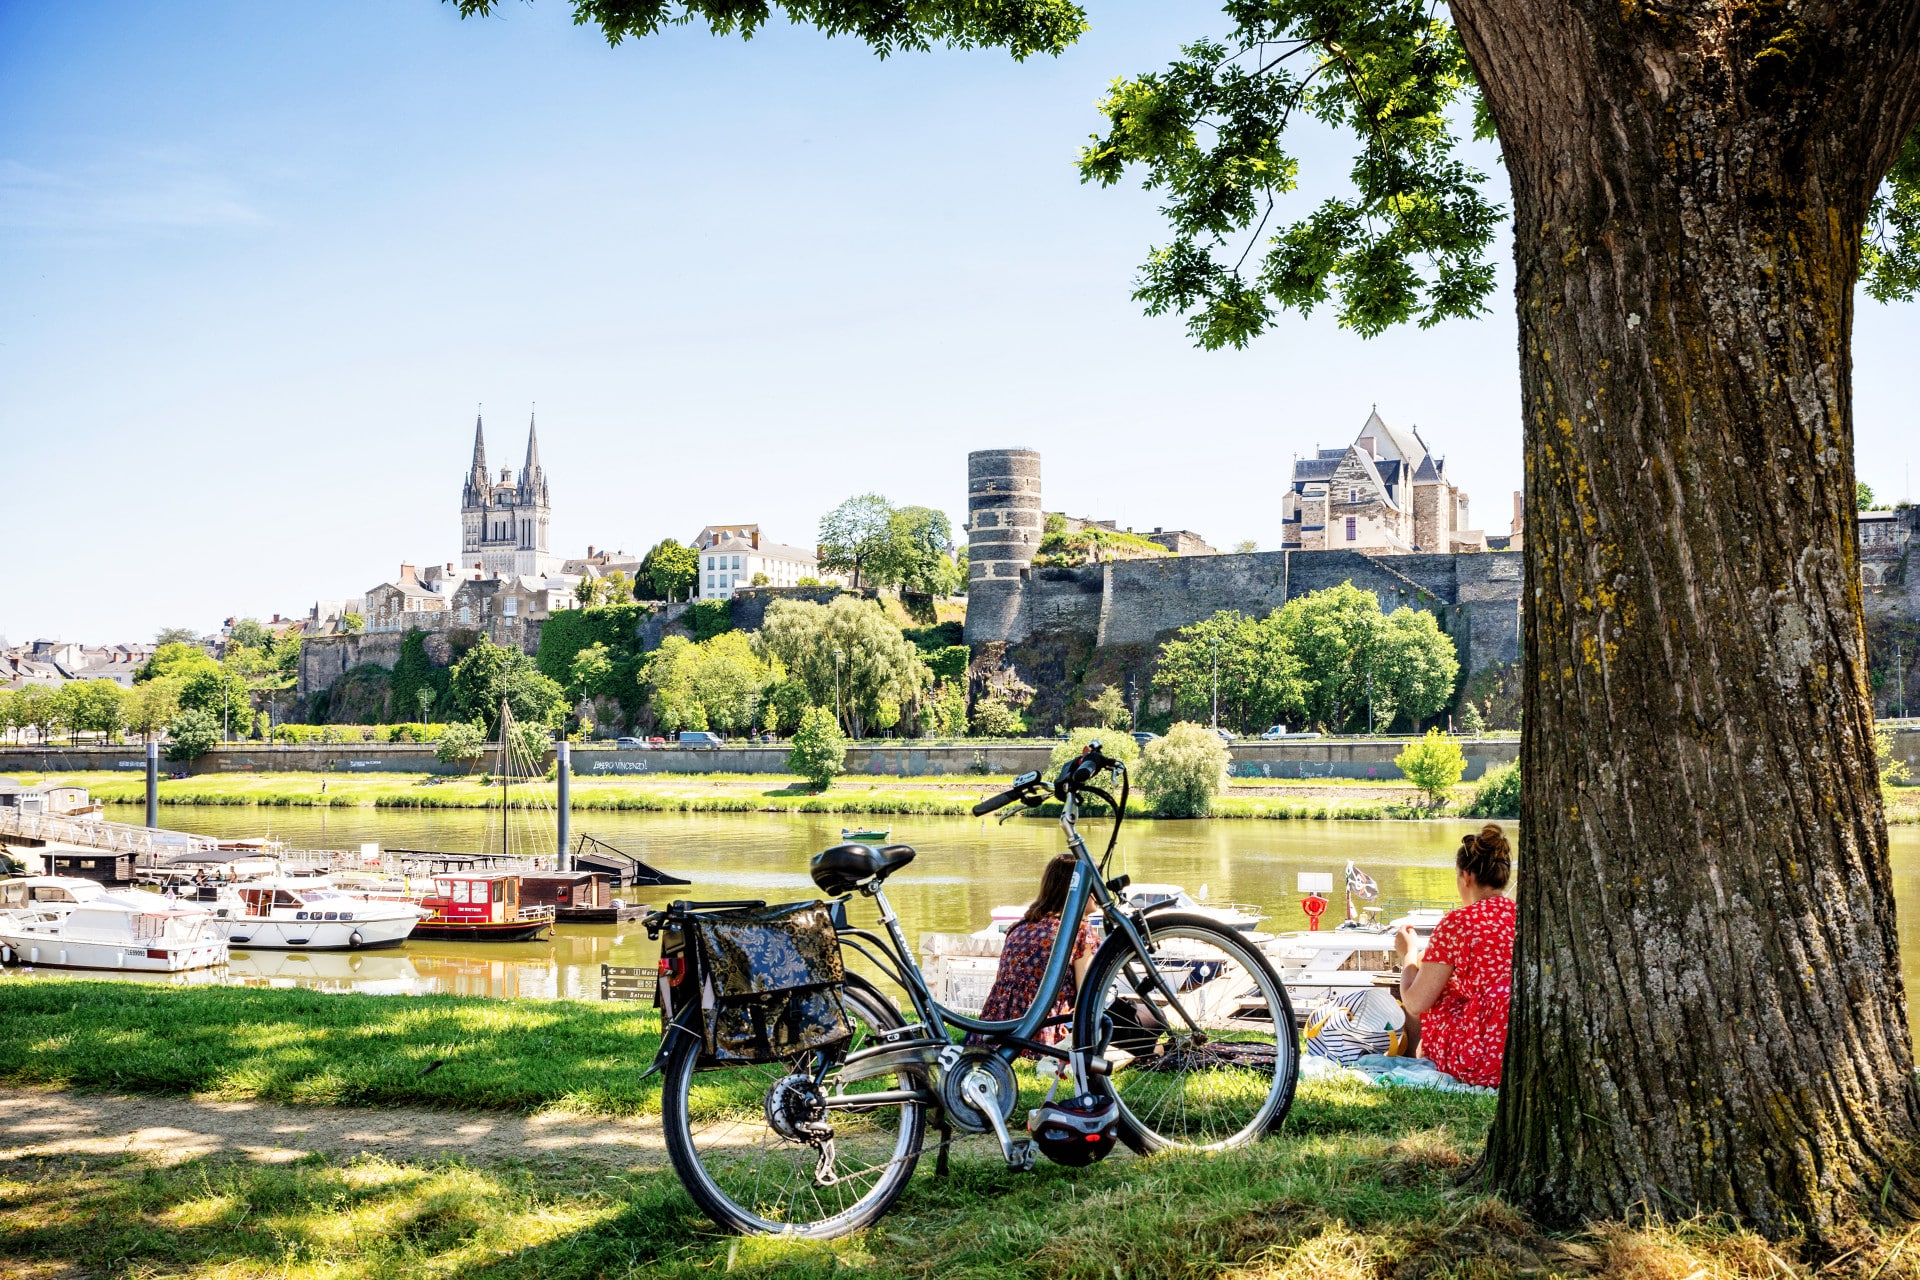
x,y
965,868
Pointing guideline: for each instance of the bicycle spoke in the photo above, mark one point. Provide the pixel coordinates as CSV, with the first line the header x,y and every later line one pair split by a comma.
x,y
757,1176
1218,1086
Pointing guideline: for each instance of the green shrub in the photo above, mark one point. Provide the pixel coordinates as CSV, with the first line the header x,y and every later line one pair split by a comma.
x,y
787,702
948,663
819,749
462,743
1893,769
1472,724
708,618
1109,709
944,713
1433,764
995,718
1120,746
191,735
1184,771
930,640
1498,795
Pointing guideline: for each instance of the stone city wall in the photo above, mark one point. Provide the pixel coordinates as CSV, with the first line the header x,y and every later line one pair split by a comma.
x,y
1137,602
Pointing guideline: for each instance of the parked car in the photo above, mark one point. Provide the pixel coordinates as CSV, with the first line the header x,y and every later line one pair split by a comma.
x,y
630,744
1225,736
1278,731
653,743
1142,737
701,738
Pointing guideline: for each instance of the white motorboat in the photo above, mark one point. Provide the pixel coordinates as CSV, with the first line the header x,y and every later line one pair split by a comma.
x,y
1171,897
137,933
285,914
62,892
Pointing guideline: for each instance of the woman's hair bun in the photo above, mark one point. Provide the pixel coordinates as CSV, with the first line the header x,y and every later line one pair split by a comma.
x,y
1486,856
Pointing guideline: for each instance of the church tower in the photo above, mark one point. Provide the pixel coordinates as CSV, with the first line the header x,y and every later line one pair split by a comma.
x,y
503,521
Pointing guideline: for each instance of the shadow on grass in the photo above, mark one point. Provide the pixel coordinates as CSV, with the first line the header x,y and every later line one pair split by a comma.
x,y
311,1047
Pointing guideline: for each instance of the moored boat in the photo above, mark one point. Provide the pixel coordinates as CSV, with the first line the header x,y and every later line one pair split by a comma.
x,y
865,835
479,907
138,933
61,892
279,913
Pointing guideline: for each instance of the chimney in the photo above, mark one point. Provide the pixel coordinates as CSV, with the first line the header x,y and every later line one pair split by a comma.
x,y
407,574
589,551
756,537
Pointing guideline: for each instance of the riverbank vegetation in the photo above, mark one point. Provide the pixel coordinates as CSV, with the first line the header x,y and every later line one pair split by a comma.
x,y
949,795
1361,1183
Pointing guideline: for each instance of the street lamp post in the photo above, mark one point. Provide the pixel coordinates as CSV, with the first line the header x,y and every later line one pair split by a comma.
x,y
1369,703
1216,682
838,718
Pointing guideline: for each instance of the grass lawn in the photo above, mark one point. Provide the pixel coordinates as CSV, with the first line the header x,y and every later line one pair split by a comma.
x,y
952,795
1362,1182
289,1045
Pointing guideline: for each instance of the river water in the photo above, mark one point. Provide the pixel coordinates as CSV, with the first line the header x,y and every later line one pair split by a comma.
x,y
965,868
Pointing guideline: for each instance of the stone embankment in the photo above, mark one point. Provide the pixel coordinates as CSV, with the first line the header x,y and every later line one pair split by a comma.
x,y
1349,757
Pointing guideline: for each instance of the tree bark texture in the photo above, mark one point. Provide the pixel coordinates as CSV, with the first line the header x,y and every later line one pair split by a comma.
x,y
1708,1009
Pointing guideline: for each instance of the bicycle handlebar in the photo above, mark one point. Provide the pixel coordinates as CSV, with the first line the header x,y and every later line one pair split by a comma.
x,y
1021,790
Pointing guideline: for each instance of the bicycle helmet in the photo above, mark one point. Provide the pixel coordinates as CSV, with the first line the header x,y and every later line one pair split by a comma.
x,y
1076,1132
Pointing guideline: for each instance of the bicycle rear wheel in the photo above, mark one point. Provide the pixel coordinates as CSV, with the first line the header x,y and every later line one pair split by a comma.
x,y
743,1140
1224,1085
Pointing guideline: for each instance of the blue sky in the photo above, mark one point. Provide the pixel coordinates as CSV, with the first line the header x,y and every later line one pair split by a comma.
x,y
258,263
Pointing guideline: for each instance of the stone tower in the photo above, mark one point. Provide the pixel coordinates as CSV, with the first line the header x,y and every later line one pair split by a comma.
x,y
1004,523
503,522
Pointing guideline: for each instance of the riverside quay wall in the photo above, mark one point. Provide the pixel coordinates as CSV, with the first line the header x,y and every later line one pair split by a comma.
x,y
1308,758
1137,602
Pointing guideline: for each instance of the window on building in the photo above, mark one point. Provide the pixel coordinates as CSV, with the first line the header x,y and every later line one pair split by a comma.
x,y
1353,529
1353,495
736,562
513,606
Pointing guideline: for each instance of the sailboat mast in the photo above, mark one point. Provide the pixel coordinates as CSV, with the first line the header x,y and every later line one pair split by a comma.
x,y
506,771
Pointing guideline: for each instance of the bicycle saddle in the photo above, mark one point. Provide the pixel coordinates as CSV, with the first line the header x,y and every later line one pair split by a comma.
x,y
847,867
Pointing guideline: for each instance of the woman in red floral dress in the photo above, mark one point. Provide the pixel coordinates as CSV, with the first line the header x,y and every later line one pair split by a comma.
x,y
1023,961
1458,990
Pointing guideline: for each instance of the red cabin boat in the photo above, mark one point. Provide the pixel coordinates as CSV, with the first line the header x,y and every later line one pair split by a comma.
x,y
470,906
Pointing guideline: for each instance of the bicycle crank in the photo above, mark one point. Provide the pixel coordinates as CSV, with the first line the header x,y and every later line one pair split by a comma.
x,y
979,1087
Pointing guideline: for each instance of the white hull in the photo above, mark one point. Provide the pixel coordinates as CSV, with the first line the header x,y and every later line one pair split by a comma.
x,y
68,953
315,935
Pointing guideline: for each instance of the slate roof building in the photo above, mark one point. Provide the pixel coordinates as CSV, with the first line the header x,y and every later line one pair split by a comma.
x,y
731,556
1386,493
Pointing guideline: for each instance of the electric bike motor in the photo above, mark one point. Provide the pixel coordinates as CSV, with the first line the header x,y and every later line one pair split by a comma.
x,y
1077,1131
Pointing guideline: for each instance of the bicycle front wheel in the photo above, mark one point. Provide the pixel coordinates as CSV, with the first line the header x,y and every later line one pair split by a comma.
x,y
1220,1076
761,1155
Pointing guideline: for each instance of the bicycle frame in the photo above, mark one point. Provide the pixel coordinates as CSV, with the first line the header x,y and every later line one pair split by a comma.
x,y
1012,1036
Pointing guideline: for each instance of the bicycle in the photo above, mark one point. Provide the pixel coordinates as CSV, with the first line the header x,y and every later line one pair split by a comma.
x,y
1182,1023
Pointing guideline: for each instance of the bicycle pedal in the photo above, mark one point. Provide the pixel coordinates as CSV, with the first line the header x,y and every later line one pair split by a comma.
x,y
1023,1156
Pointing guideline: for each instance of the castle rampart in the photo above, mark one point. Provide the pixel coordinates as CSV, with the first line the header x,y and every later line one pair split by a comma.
x,y
1129,602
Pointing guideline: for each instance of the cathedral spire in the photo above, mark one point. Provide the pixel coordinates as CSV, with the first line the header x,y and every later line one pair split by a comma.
x,y
477,482
533,477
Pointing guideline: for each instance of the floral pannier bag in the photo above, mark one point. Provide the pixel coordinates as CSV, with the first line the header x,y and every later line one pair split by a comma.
x,y
765,980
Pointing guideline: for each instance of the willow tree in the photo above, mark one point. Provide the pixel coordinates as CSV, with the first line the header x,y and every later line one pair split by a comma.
x,y
1708,1009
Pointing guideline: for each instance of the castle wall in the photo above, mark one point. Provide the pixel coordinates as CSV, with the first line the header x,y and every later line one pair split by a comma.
x,y
1137,602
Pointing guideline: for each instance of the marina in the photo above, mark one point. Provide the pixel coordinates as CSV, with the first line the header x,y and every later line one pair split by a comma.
x,y
965,870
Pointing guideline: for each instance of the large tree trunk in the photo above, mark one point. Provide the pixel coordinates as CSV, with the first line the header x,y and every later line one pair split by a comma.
x,y
1708,1010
